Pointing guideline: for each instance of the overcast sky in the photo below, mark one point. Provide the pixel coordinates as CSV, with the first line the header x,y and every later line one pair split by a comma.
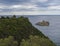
x,y
30,7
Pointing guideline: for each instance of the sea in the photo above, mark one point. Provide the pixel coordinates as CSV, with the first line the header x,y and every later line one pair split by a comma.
x,y
52,31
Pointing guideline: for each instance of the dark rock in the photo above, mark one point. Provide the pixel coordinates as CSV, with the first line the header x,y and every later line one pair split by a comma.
x,y
43,23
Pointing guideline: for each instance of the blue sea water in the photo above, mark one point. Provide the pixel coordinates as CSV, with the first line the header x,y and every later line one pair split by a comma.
x,y
52,31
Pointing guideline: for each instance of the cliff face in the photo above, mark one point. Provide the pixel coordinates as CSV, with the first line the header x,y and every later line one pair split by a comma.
x,y
20,28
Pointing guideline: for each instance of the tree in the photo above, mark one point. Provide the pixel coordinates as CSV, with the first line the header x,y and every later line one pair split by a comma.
x,y
8,42
20,28
7,17
14,16
36,41
2,17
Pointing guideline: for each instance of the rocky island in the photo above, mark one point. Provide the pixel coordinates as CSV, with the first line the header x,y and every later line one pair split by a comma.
x,y
43,23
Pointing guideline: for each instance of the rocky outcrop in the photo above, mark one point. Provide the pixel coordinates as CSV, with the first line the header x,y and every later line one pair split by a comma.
x,y
43,23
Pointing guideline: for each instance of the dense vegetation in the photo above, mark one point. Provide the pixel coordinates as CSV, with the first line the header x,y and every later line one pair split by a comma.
x,y
36,41
19,28
8,42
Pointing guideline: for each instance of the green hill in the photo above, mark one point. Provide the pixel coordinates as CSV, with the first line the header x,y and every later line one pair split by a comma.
x,y
20,28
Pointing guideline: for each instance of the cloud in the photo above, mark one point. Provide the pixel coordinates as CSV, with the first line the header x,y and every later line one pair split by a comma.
x,y
42,1
23,6
29,6
13,2
54,7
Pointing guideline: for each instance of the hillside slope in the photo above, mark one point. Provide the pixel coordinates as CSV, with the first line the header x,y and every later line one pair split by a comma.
x,y
20,28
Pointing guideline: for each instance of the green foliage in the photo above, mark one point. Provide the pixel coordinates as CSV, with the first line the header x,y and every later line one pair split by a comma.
x,y
36,41
20,28
8,42
7,17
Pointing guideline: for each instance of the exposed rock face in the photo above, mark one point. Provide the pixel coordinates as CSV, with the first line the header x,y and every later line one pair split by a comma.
x,y
43,23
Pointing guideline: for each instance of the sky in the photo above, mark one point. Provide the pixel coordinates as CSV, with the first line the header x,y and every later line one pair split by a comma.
x,y
29,7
